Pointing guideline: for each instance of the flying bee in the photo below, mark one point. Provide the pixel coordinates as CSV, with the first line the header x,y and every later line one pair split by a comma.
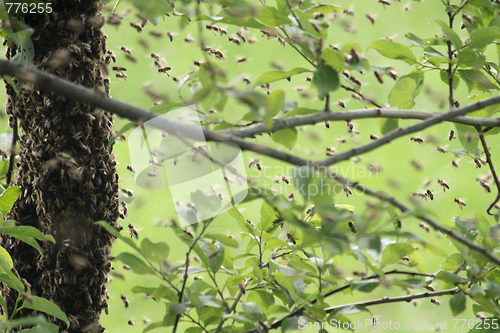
x,y
198,63
371,18
310,210
267,33
341,103
374,137
451,135
398,224
124,206
164,70
241,34
255,162
241,59
291,197
130,322
291,239
219,54
175,78
430,287
222,31
393,74
191,206
188,232
327,124
454,163
430,194
460,203
155,56
478,163
220,196
424,226
121,75
374,168
441,149
212,28
189,39
417,139
347,191
158,64
435,301
170,35
197,278
467,18
234,40
131,168
352,226
405,258
285,179
119,68
358,273
348,11
133,231
422,195
384,2
125,50
341,140
251,223
379,77
136,26
416,165
485,185
443,184
281,41
125,301
246,79
252,40
350,126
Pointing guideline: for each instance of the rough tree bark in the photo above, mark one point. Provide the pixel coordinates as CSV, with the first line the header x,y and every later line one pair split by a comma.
x,y
66,170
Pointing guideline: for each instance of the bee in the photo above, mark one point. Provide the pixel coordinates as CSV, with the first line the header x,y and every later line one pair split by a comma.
x,y
405,258
285,179
125,301
252,40
125,50
310,210
219,54
75,49
417,139
241,34
393,74
327,124
220,196
127,192
121,75
198,63
133,231
247,80
136,26
189,39
191,206
341,140
170,35
374,137
430,288
188,232
155,56
341,104
454,163
228,180
348,11
330,152
130,322
467,18
358,273
441,149
371,18
234,40
422,195
435,301
175,79
460,203
281,41
241,59
222,31
374,168
424,226
451,135
267,33
212,27
347,191
356,159
352,226
309,79
164,70
291,239
291,197
478,163
485,185
399,224
119,68
124,206
416,165
255,162
155,34
480,316
384,2
378,76
350,126
430,194
251,223
197,278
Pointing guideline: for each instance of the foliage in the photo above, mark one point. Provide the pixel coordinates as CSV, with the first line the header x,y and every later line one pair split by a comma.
x,y
282,270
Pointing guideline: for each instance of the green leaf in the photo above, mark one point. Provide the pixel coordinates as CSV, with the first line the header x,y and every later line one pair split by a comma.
x,y
482,37
471,58
117,234
27,231
333,58
274,243
41,328
46,306
457,303
157,252
252,310
453,261
405,90
223,239
6,256
394,252
444,77
272,17
137,265
476,80
287,137
451,34
393,50
386,125
414,39
9,198
322,8
364,286
273,76
289,324
467,135
275,101
450,277
301,112
325,79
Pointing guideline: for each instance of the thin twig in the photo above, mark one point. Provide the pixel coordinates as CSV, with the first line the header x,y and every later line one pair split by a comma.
x,y
233,306
492,168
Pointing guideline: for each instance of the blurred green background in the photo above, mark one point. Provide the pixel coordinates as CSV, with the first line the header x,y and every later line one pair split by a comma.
x,y
152,208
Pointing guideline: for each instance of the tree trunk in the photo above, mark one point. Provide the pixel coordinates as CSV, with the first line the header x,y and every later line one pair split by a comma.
x,y
66,170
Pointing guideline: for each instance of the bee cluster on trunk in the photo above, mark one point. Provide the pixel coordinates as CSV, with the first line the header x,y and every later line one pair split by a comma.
x,y
66,170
